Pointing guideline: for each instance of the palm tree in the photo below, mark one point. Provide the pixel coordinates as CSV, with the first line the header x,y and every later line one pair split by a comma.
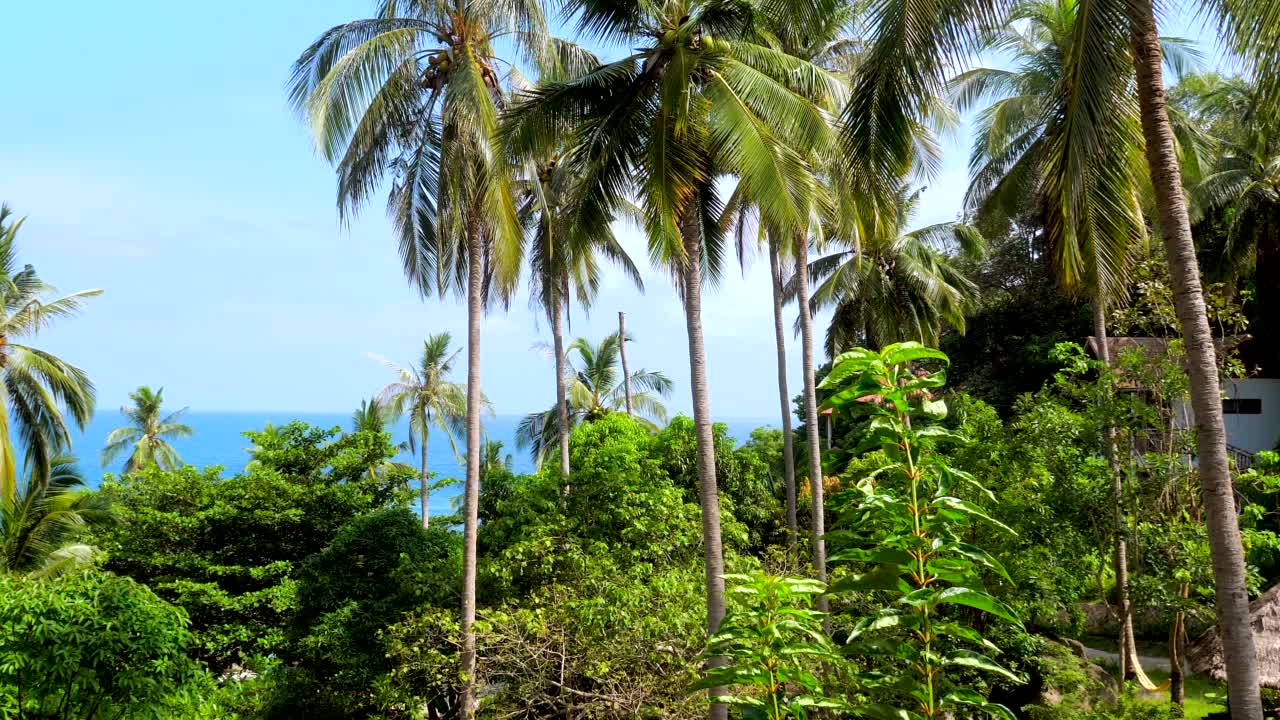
x,y
904,66
596,390
369,417
41,520
563,259
1037,146
416,91
695,99
815,32
35,385
1241,187
425,393
897,285
1251,31
147,435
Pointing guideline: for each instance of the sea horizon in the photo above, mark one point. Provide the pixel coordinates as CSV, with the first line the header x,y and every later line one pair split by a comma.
x,y
219,440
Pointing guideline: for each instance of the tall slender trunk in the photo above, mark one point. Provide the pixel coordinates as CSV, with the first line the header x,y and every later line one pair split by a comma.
x,y
1121,557
562,401
784,399
811,416
470,517
622,353
1230,596
708,494
424,489
1177,636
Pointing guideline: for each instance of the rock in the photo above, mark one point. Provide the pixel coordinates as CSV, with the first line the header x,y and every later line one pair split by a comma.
x,y
1077,647
1108,691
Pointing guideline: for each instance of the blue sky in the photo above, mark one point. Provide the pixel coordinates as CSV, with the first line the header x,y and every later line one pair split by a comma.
x,y
150,146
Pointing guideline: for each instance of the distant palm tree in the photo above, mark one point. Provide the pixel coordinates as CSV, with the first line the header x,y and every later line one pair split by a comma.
x,y
425,393
595,390
147,434
563,261
35,385
41,518
369,417
897,284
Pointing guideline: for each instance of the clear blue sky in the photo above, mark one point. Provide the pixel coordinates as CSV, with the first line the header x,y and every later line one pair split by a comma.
x,y
150,146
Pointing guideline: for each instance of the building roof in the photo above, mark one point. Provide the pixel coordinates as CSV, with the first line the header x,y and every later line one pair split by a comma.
x,y
1205,654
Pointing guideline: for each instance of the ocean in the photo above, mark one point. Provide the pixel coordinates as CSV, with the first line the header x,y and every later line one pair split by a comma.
x,y
219,440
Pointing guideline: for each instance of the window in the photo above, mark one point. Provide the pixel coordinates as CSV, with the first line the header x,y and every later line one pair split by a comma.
x,y
1242,406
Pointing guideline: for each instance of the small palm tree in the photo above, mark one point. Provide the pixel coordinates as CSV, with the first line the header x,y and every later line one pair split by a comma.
x,y
35,385
369,417
425,393
41,520
595,390
896,284
148,434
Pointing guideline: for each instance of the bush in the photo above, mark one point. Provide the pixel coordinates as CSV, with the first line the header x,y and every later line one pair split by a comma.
x,y
89,645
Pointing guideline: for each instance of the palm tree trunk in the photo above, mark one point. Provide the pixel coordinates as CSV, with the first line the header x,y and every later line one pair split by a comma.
x,y
818,522
1121,557
708,495
470,518
562,402
424,490
784,399
1230,596
622,353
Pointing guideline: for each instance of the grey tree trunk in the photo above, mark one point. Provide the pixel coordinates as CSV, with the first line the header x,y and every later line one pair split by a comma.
x,y
424,490
784,399
1121,557
470,516
562,401
811,416
1230,596
622,353
708,494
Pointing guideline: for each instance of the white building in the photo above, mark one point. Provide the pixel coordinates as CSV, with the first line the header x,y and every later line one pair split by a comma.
x,y
1250,406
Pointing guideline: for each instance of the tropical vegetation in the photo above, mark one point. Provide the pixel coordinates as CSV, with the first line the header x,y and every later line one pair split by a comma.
x,y
1014,447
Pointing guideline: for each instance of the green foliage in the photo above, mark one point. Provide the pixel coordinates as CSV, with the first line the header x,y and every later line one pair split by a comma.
x,y
622,510
89,645
227,549
750,495
770,646
379,567
907,539
42,522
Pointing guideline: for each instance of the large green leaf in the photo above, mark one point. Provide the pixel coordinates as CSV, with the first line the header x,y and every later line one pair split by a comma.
x,y
970,658
906,352
978,600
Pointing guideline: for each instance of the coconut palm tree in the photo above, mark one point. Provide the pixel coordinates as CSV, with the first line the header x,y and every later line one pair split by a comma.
x,y
415,92
563,258
817,33
42,518
596,389
1241,187
424,392
36,386
903,66
369,417
695,99
897,285
1030,151
147,436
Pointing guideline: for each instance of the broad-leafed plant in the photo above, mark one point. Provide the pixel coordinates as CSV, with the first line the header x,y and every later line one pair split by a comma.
x,y
771,644
906,527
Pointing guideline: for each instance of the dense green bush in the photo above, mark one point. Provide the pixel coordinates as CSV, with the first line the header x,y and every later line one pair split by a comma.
x,y
226,549
88,645
379,567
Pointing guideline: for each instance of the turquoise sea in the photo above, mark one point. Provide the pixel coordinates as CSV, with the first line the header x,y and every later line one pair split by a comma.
x,y
219,440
